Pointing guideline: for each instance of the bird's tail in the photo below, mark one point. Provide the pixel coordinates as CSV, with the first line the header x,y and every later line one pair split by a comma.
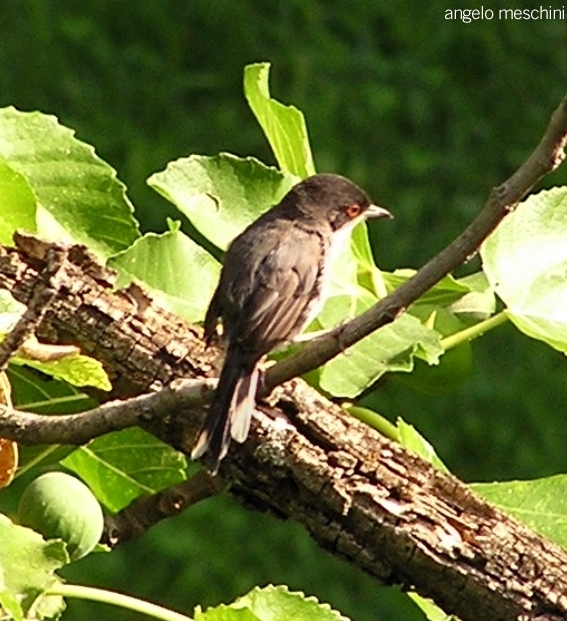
x,y
230,410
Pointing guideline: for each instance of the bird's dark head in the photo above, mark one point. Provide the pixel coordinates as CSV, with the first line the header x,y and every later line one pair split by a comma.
x,y
335,200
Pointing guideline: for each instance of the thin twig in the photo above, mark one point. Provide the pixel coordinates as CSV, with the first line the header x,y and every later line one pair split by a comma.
x,y
75,429
147,511
43,294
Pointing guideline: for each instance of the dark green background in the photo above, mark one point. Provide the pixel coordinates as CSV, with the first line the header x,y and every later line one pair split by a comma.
x,y
426,113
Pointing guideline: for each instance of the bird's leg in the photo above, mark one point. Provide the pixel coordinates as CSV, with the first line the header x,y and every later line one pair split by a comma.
x,y
261,385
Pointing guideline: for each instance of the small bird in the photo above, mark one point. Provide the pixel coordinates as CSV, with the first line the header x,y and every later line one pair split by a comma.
x,y
270,287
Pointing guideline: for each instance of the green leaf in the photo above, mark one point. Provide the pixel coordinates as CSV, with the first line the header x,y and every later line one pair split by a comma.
x,y
76,369
271,603
392,348
35,393
177,272
479,303
368,274
277,603
525,260
224,613
18,204
452,369
431,611
10,605
409,437
284,126
79,198
221,195
541,503
121,466
27,564
445,292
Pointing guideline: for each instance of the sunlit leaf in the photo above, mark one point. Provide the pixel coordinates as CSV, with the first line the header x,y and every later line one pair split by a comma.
x,y
174,269
541,503
222,194
120,466
525,260
18,204
79,198
284,126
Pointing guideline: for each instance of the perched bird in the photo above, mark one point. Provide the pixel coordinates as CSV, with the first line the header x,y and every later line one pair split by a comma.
x,y
270,288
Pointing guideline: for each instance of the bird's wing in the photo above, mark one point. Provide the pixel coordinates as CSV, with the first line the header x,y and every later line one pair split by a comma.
x,y
284,286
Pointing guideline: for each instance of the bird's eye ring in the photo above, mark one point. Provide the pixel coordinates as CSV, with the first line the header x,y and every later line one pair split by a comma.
x,y
354,210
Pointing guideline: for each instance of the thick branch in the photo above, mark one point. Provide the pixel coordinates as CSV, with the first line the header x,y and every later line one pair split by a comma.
x,y
546,157
359,495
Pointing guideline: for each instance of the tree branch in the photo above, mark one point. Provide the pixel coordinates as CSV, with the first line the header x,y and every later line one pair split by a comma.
x,y
74,429
147,511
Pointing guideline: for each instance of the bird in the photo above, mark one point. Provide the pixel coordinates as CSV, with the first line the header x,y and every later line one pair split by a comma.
x,y
271,286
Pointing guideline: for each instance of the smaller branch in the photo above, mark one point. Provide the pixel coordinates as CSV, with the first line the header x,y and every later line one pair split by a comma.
x,y
545,158
74,429
474,331
113,598
146,511
42,296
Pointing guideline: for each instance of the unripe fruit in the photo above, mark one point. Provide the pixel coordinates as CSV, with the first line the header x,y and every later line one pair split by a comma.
x,y
60,506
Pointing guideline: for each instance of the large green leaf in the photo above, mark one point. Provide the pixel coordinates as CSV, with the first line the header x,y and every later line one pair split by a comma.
x,y
79,198
18,204
541,503
525,260
284,126
120,466
221,194
177,272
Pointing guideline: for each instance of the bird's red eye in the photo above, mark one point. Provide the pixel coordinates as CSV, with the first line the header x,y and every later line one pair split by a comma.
x,y
354,210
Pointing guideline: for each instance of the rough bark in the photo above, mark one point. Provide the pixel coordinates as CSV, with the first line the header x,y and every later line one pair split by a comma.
x,y
358,494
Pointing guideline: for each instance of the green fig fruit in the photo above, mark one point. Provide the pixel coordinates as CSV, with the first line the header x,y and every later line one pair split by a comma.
x,y
58,505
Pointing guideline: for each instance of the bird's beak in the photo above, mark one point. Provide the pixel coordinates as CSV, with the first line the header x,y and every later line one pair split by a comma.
x,y
377,212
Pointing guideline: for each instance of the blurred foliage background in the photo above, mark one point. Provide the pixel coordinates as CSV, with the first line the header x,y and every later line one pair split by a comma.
x,y
426,113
